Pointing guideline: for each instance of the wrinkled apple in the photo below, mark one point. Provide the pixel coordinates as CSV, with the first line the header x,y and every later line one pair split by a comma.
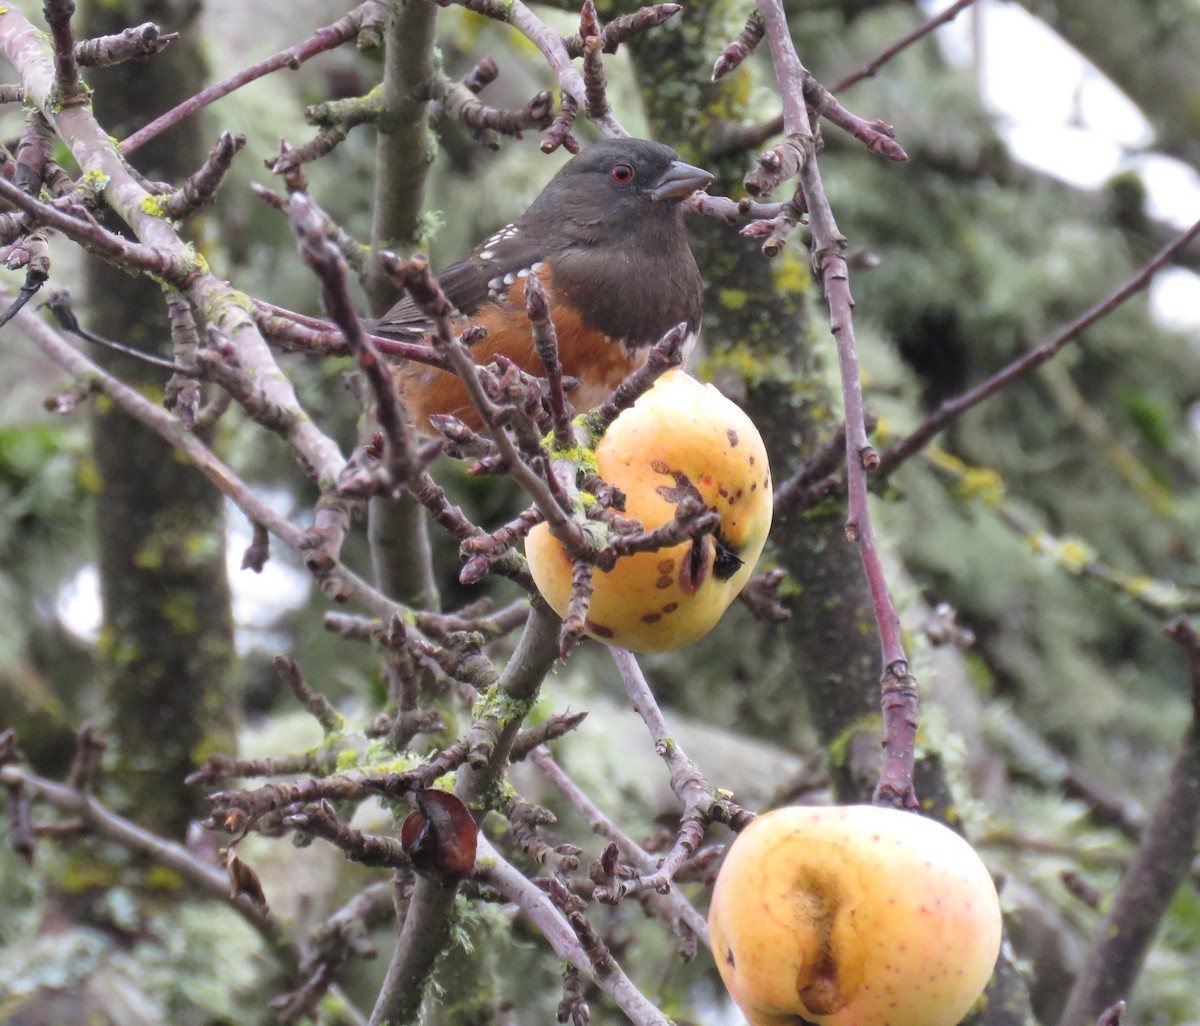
x,y
853,916
680,437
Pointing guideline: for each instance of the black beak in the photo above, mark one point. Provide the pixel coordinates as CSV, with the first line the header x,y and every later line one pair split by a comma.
x,y
679,181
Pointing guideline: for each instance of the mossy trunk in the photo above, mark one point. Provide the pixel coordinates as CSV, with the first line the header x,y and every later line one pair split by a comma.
x,y
757,332
167,643
760,316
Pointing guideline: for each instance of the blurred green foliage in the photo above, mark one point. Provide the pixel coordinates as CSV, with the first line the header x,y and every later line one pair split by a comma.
x,y
979,260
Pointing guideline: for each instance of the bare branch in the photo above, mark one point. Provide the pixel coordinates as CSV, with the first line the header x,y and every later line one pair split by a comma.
x,y
427,925
545,340
201,187
741,48
107,824
555,52
739,139
562,938
145,40
625,27
457,101
869,69
560,129
701,802
899,700
160,421
666,353
1160,865
69,89
595,87
328,38
952,409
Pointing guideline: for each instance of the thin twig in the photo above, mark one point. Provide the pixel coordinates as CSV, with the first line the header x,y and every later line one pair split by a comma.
x,y
1160,865
135,43
325,259
701,803
67,85
869,69
741,48
551,923
555,52
899,692
427,293
545,340
169,428
740,139
206,878
595,86
1161,598
625,27
327,38
201,187
676,904
952,409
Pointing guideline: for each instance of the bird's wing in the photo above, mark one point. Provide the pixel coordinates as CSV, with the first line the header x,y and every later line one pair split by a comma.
x,y
483,277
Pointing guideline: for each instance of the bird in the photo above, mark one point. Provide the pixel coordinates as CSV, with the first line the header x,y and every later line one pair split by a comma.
x,y
606,238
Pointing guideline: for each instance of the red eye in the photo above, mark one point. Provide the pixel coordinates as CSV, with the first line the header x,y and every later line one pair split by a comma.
x,y
622,174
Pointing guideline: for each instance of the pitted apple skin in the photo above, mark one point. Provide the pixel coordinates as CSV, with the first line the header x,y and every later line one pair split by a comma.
x,y
853,916
680,436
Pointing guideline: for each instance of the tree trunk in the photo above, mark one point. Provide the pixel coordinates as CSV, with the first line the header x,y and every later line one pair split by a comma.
x,y
167,642
756,336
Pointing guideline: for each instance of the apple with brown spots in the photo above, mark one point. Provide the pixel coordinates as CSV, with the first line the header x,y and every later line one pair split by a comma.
x,y
853,916
680,437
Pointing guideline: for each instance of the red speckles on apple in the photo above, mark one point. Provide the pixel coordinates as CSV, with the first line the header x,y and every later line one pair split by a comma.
x,y
909,939
671,445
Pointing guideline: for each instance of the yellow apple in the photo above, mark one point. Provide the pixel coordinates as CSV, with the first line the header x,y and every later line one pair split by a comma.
x,y
679,437
853,916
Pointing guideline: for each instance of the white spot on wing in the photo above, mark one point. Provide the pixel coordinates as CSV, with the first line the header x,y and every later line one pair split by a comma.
x,y
503,235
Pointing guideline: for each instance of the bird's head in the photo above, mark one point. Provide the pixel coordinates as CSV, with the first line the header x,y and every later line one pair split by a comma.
x,y
625,173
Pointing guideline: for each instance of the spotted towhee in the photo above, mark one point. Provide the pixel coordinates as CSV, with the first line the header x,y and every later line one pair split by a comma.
x,y
606,238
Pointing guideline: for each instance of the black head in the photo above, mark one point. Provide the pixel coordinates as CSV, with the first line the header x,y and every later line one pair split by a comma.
x,y
611,221
625,172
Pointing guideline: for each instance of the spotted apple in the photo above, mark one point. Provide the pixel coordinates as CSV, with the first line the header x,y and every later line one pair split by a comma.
x,y
680,438
853,916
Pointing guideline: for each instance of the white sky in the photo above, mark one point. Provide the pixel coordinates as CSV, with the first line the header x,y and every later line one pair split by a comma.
x,y
1060,114
258,599
1057,113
